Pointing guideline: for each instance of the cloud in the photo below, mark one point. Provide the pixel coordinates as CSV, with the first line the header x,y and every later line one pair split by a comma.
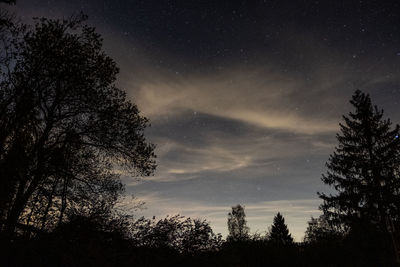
x,y
218,152
308,97
261,99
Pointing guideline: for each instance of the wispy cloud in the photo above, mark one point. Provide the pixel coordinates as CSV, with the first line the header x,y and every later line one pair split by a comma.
x,y
223,153
262,99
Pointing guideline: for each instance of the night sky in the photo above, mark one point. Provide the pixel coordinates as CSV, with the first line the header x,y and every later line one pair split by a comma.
x,y
244,97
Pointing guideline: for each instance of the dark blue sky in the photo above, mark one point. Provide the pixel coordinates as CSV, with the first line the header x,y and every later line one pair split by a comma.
x,y
244,97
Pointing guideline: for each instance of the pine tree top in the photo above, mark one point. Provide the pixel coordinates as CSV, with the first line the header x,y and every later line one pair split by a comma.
x,y
279,233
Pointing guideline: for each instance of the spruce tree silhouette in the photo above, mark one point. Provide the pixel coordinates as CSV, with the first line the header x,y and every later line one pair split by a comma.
x,y
279,232
364,171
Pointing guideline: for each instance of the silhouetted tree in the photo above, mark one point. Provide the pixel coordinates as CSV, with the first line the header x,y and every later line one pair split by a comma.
x,y
176,232
279,232
237,224
199,237
364,170
320,230
65,127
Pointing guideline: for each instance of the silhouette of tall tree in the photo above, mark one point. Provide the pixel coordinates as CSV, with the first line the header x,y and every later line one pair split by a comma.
x,y
279,232
65,127
237,224
364,170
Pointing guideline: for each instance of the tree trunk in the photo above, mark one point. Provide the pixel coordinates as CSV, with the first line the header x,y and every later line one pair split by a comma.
x,y
49,203
18,207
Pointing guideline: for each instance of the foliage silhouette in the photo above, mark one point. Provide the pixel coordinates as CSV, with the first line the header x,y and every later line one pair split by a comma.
x,y
279,233
184,235
320,231
237,224
65,126
364,170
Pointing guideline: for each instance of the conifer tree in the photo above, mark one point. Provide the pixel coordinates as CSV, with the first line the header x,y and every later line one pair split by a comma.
x,y
364,171
364,168
279,232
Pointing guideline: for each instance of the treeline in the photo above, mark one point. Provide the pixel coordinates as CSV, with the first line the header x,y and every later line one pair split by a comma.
x,y
181,241
68,133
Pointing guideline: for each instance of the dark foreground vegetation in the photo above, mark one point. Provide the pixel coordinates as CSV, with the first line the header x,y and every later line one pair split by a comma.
x,y
67,133
83,242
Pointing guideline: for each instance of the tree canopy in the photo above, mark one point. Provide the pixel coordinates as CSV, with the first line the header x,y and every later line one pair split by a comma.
x,y
237,224
178,233
320,230
67,132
